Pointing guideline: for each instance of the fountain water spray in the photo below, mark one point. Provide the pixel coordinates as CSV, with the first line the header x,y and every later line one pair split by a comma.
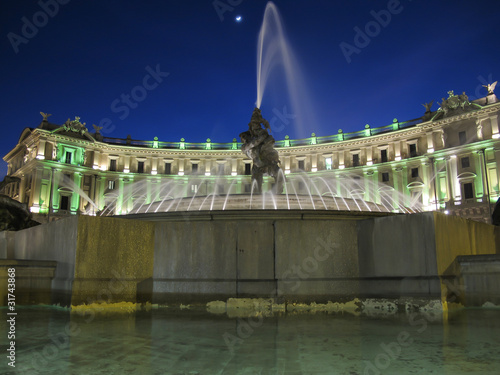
x,y
273,50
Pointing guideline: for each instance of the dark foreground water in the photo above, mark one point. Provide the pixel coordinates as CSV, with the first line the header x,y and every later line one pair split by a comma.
x,y
51,341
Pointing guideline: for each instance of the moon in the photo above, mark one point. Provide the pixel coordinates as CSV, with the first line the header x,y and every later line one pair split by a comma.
x,y
238,18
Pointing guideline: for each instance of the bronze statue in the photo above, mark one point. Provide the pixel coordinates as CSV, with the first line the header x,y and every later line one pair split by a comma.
x,y
258,145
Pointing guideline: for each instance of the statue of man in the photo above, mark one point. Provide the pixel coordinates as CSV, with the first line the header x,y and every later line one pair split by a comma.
x,y
258,145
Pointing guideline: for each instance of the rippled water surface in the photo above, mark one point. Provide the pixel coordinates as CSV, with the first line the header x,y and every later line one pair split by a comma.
x,y
52,341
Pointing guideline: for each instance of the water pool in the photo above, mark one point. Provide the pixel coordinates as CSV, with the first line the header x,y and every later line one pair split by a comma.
x,y
161,341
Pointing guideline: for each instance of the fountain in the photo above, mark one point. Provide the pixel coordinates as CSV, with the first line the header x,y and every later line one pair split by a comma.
x,y
313,238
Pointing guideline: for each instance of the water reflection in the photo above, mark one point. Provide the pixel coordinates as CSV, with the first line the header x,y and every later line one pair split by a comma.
x,y
52,341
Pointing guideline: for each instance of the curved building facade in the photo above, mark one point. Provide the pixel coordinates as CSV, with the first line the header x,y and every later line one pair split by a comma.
x,y
447,160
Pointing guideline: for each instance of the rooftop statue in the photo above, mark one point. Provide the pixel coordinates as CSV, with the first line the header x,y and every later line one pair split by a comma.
x,y
491,87
428,106
45,116
258,145
454,105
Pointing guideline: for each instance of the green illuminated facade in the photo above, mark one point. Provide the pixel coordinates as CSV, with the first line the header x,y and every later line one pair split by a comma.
x,y
447,160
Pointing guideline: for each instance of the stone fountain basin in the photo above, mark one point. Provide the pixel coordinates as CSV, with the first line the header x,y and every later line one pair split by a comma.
x,y
266,201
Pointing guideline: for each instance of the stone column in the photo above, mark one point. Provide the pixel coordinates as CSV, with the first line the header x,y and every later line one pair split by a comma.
x,y
449,180
480,191
428,181
396,178
22,188
430,142
480,181
41,150
494,126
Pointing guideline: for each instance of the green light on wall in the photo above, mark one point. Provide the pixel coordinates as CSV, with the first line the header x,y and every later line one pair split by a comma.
x,y
182,144
208,145
314,140
70,154
156,143
234,146
287,141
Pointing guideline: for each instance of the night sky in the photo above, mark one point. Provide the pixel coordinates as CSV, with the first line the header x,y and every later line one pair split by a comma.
x,y
202,64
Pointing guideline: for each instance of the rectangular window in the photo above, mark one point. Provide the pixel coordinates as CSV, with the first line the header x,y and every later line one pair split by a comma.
x,y
385,177
194,168
64,202
465,162
462,137
383,156
140,167
68,157
301,164
468,191
111,185
413,150
248,169
414,172
355,160
112,165
194,188
328,163
168,168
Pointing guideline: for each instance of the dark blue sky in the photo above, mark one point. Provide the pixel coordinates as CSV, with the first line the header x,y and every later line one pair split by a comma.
x,y
88,53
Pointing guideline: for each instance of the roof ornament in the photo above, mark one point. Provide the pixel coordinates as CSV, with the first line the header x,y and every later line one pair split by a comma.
x,y
491,87
454,105
45,116
75,126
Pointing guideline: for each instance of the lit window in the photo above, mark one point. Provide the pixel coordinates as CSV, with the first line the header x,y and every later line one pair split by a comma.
x,y
194,188
328,163
111,185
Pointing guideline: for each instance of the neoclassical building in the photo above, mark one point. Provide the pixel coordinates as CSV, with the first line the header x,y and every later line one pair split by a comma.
x,y
447,160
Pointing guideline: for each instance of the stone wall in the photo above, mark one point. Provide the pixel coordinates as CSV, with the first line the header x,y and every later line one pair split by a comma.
x,y
292,256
